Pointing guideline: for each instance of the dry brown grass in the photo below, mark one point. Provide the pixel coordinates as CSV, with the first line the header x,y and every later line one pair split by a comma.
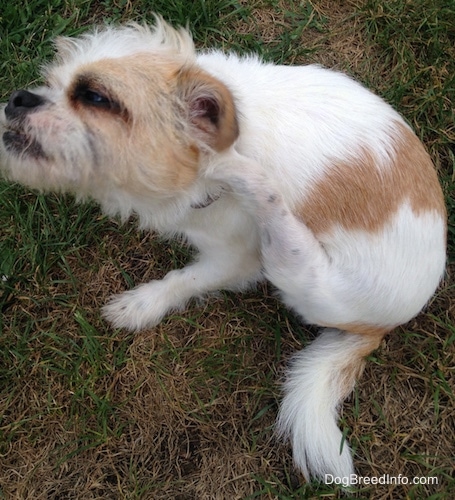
x,y
193,402
186,410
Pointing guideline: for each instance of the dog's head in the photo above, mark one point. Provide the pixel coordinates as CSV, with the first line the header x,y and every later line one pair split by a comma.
x,y
124,108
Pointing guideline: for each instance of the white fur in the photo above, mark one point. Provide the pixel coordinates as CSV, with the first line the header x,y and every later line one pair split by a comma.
x,y
308,412
294,123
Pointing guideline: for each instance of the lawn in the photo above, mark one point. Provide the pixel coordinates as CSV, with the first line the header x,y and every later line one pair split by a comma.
x,y
186,410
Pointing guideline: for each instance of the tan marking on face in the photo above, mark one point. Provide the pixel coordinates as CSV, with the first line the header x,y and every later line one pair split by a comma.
x,y
359,195
148,144
140,83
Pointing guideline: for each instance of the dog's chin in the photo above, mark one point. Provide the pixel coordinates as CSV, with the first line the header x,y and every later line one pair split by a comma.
x,y
18,143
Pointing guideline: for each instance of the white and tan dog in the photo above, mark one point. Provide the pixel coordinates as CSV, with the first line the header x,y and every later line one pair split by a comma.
x,y
296,174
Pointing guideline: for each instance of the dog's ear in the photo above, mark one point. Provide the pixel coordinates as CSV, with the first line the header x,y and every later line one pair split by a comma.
x,y
210,107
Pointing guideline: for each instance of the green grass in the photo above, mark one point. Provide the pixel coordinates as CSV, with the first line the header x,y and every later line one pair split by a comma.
x,y
112,415
416,44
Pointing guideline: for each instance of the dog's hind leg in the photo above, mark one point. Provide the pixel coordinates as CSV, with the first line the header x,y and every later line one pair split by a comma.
x,y
317,284
323,374
292,257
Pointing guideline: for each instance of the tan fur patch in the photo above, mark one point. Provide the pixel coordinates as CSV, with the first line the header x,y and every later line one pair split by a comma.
x,y
160,112
145,125
351,371
199,90
363,329
359,195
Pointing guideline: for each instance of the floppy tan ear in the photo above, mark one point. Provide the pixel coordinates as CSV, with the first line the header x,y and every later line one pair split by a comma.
x,y
210,106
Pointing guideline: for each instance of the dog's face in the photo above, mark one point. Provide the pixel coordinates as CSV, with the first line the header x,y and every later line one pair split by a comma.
x,y
135,116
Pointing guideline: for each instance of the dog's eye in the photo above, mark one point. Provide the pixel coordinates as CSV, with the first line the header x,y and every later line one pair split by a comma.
x,y
93,98
89,93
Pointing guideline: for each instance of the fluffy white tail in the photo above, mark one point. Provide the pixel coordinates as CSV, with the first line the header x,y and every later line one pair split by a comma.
x,y
320,378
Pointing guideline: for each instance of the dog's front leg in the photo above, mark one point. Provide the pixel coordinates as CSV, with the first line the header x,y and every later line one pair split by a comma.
x,y
217,267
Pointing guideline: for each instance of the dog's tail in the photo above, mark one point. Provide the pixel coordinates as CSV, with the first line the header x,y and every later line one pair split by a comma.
x,y
320,378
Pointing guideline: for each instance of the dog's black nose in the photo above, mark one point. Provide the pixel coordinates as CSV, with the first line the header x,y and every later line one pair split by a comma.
x,y
22,102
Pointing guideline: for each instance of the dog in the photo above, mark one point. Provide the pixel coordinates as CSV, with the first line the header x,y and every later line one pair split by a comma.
x,y
298,175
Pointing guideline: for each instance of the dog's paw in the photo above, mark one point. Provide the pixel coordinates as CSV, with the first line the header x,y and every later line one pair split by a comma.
x,y
142,307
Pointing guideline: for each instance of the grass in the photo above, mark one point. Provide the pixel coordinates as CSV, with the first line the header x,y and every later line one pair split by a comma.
x,y
186,410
